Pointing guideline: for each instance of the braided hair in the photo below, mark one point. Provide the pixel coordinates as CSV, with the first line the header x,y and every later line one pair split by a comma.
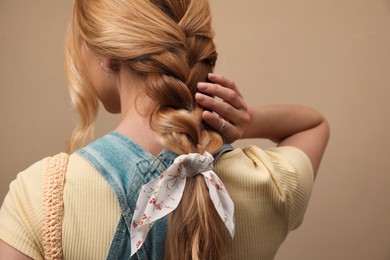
x,y
169,44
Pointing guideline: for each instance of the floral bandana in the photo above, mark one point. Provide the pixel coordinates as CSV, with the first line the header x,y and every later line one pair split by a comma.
x,y
162,195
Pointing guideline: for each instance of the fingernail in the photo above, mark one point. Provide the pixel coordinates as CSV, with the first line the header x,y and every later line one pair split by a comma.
x,y
207,115
199,97
211,75
202,86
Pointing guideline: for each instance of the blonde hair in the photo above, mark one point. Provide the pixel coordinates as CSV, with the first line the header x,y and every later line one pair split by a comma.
x,y
169,43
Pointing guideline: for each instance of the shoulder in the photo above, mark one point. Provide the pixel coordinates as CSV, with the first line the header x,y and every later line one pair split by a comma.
x,y
29,183
21,212
291,157
276,160
32,174
285,174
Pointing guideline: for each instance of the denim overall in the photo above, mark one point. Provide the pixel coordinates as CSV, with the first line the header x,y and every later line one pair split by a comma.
x,y
126,167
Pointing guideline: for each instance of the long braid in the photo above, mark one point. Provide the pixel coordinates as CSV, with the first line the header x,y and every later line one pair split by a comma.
x,y
169,45
193,226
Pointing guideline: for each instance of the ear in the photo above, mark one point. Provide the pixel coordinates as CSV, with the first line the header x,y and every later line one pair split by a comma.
x,y
110,64
105,64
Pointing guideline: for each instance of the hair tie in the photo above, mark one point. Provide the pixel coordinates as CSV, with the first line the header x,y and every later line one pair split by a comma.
x,y
162,195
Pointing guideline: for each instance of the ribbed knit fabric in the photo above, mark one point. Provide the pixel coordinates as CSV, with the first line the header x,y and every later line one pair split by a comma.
x,y
270,190
21,217
91,212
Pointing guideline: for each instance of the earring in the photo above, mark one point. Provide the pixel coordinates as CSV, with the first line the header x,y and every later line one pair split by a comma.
x,y
108,71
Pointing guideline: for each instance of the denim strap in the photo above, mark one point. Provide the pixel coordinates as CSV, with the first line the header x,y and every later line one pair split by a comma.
x,y
224,149
126,167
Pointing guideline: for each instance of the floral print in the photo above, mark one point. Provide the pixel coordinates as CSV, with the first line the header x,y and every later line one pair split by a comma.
x,y
162,195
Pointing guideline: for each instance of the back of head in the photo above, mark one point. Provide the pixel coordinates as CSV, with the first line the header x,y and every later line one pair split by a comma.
x,y
169,44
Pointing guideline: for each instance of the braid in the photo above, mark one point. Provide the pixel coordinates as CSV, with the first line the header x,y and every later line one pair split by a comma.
x,y
193,227
169,45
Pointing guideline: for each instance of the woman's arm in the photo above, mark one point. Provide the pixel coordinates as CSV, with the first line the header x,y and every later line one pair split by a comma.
x,y
291,125
287,125
7,252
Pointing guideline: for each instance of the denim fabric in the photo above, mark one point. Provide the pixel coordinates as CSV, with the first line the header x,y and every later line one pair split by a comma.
x,y
126,166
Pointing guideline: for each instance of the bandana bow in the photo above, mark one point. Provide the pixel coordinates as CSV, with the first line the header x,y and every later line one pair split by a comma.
x,y
162,195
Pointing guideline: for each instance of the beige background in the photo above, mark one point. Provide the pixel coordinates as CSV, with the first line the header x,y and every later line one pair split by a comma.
x,y
332,55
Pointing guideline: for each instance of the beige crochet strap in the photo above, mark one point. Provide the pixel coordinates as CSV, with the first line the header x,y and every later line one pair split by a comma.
x,y
53,206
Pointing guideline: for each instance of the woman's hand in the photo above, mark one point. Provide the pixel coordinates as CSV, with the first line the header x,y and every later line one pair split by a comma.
x,y
229,114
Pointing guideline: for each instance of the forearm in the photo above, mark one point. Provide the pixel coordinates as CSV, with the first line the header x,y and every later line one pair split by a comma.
x,y
8,252
278,122
287,125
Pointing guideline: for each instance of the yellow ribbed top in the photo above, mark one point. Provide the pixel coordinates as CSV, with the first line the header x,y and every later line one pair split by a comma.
x,y
270,189
91,212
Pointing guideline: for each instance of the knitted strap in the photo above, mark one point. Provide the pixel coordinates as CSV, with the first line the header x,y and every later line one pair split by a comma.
x,y
53,206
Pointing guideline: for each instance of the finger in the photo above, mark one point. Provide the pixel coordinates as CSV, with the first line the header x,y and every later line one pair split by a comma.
x,y
226,94
221,80
223,109
216,122
212,119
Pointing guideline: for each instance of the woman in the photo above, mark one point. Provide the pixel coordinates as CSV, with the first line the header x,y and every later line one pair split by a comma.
x,y
144,59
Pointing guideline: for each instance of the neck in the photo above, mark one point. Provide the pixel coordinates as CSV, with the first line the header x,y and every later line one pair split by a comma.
x,y
135,115
135,125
